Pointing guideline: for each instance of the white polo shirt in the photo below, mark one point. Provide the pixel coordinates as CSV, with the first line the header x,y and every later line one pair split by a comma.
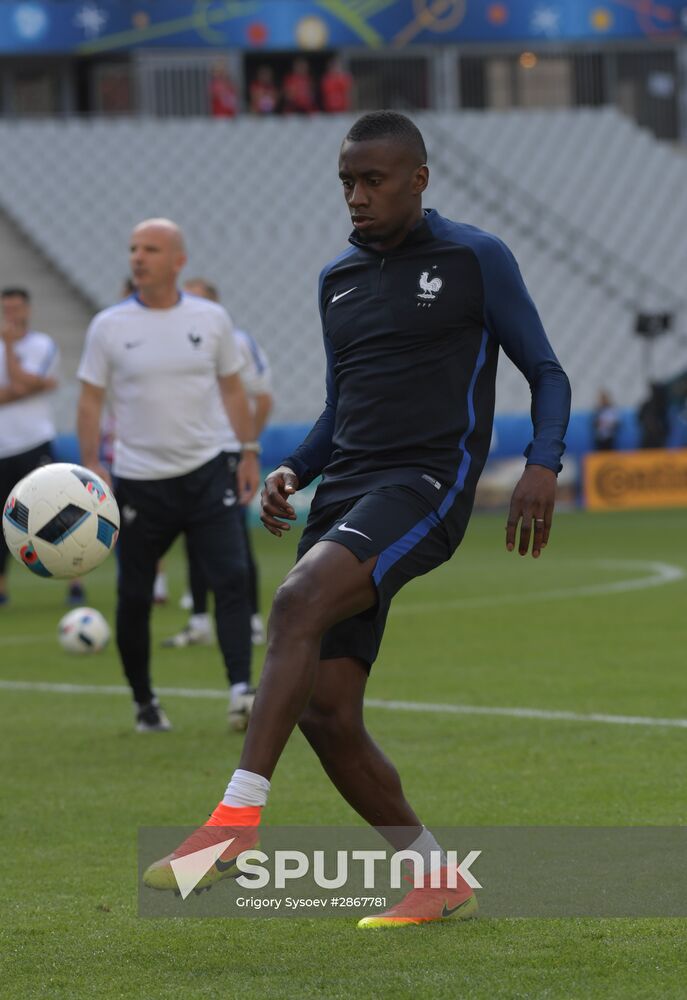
x,y
28,422
160,369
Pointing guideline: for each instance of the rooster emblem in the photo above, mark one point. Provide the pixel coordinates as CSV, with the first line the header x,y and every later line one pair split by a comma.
x,y
430,287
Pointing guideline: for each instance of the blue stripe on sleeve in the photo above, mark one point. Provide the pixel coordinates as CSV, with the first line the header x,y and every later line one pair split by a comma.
x,y
466,459
255,351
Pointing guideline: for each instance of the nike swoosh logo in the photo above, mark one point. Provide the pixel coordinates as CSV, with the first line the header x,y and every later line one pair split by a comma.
x,y
135,343
340,295
222,866
445,912
343,527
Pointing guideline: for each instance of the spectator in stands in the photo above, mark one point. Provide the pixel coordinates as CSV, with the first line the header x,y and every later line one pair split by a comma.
x,y
224,101
653,418
336,88
606,423
28,374
263,92
170,365
256,378
299,89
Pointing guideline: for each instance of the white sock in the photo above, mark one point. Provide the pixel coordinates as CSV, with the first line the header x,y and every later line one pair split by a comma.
x,y
235,692
246,789
426,845
199,622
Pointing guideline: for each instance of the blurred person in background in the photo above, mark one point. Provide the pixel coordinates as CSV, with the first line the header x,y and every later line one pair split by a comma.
x,y
169,364
605,423
263,92
652,417
299,89
224,101
257,380
336,88
29,363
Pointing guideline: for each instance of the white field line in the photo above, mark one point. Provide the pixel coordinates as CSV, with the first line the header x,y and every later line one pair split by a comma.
x,y
658,575
26,640
392,706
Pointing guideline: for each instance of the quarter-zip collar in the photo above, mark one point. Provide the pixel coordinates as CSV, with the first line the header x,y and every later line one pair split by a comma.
x,y
420,233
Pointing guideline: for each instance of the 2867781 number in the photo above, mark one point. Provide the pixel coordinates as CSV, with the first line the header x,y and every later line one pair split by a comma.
x,y
357,901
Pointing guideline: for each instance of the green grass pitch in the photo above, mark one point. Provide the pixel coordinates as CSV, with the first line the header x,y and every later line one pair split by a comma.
x,y
566,633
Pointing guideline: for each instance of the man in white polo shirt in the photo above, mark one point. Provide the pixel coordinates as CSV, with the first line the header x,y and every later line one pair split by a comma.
x,y
169,364
28,372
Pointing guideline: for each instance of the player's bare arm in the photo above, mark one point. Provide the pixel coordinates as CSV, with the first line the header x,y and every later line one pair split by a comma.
x,y
262,402
10,394
241,418
22,383
88,417
532,503
274,503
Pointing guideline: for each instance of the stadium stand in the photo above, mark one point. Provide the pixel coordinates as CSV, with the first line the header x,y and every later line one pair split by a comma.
x,y
593,207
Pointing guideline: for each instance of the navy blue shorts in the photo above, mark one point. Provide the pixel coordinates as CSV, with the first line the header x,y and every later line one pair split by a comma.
x,y
403,530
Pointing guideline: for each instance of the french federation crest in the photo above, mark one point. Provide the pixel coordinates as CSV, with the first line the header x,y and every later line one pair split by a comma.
x,y
429,287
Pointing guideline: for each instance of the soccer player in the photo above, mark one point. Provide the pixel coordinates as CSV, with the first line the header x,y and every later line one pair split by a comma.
x,y
414,313
170,364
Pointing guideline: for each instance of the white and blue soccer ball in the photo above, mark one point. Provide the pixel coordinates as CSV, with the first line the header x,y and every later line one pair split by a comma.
x,y
61,520
83,630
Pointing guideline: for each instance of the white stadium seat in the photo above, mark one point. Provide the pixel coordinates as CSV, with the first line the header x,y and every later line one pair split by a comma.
x,y
593,207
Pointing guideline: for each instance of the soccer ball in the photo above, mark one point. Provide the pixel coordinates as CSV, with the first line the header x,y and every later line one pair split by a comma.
x,y
61,520
83,630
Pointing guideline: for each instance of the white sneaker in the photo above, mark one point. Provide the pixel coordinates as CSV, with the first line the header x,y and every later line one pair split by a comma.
x,y
190,635
151,719
240,708
257,630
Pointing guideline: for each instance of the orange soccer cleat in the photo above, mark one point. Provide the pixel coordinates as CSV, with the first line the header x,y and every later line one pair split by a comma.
x,y
426,904
238,824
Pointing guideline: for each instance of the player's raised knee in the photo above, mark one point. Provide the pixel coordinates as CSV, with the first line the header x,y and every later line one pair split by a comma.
x,y
296,602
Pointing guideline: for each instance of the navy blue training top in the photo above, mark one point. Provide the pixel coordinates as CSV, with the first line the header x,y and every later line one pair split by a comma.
x,y
412,337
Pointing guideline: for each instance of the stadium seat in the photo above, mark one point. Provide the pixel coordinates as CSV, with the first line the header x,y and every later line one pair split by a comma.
x,y
593,207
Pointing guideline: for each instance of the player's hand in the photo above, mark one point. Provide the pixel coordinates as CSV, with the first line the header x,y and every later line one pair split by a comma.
x,y
274,503
532,503
248,476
